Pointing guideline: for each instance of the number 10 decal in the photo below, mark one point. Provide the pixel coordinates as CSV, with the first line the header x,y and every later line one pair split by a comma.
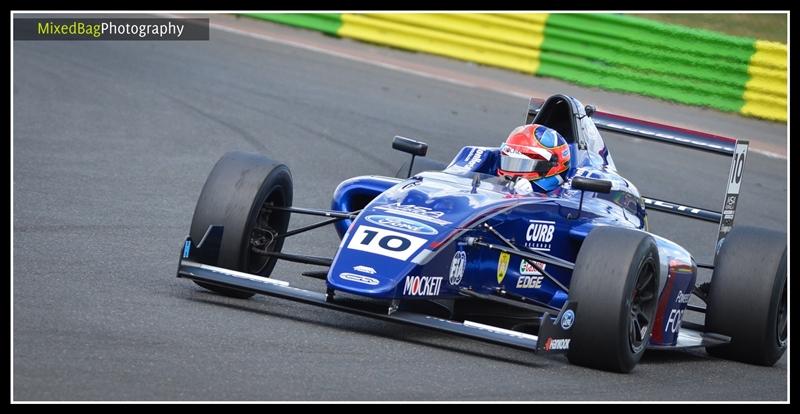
x,y
385,242
732,193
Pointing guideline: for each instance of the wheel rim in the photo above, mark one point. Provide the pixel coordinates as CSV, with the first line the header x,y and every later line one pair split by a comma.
x,y
781,323
263,234
643,301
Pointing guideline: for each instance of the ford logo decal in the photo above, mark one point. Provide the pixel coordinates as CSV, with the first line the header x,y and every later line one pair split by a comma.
x,y
403,224
359,278
567,319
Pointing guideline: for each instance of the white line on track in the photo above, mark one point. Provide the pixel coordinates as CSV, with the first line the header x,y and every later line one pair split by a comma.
x,y
363,60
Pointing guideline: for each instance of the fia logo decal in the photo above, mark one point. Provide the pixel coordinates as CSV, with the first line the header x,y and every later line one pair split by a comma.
x,y
457,267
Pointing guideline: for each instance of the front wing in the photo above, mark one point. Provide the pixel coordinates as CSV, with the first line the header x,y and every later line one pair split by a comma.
x,y
265,286
191,269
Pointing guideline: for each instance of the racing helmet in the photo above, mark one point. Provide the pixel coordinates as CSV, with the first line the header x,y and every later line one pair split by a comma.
x,y
536,153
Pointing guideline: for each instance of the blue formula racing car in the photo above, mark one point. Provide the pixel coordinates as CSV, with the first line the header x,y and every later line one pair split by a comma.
x,y
459,248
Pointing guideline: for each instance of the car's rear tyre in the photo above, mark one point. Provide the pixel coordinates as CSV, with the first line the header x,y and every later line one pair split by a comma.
x,y
615,284
420,164
747,296
234,196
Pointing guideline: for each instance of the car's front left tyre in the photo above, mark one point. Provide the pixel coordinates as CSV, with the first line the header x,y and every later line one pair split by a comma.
x,y
615,285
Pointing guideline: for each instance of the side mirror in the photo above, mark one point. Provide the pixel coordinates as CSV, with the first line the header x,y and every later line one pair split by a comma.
x,y
410,146
590,109
415,148
590,184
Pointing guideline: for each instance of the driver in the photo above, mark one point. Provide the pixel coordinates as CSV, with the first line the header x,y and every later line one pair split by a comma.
x,y
534,155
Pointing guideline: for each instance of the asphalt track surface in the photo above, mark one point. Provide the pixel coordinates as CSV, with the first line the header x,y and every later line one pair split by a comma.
x,y
112,144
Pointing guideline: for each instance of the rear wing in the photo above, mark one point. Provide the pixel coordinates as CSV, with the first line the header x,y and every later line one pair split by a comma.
x,y
736,149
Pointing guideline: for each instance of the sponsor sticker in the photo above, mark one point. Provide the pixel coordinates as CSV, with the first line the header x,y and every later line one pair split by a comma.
x,y
673,321
664,204
683,297
403,224
385,242
730,203
414,211
529,282
502,266
539,235
364,269
457,267
359,278
567,319
556,344
422,286
527,269
530,277
474,158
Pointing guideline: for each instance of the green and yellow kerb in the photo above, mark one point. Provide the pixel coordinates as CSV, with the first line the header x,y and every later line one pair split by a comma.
x,y
609,51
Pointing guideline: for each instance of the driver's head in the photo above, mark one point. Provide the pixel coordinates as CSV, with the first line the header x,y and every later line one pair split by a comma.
x,y
536,153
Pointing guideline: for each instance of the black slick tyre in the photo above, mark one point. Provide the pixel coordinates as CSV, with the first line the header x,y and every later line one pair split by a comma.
x,y
747,298
235,196
614,283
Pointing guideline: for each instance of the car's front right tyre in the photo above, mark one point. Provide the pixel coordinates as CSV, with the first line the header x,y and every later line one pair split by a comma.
x,y
237,195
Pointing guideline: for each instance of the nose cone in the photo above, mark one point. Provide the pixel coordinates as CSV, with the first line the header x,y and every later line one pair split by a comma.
x,y
385,251
367,274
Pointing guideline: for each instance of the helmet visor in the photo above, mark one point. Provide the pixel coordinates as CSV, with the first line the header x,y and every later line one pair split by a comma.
x,y
524,164
512,160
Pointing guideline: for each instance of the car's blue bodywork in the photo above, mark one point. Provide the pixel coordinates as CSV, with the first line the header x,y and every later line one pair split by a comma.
x,y
410,240
458,249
